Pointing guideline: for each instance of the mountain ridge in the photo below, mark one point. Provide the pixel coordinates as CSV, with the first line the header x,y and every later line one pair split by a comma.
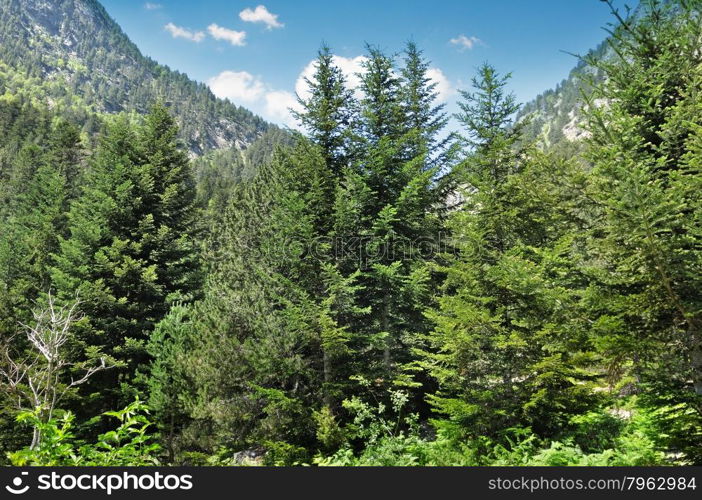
x,y
79,57
554,117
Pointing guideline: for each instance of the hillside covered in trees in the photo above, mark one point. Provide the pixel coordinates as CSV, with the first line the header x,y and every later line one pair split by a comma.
x,y
70,55
372,291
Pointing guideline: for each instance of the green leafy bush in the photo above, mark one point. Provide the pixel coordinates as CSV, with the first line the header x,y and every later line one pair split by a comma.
x,y
595,431
128,445
280,453
329,433
391,438
613,442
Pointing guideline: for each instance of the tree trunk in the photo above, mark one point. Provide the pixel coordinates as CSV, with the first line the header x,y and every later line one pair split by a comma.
x,y
327,377
36,439
387,358
696,361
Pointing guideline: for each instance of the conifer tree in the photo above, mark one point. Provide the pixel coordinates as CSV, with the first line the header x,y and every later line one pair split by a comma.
x,y
270,326
424,118
644,249
328,112
130,249
388,203
44,182
504,345
169,379
329,116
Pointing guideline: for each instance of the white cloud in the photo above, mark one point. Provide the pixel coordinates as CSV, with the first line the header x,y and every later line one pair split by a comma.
x,y
261,15
465,43
350,67
241,87
234,37
301,87
237,86
152,6
278,106
443,88
178,32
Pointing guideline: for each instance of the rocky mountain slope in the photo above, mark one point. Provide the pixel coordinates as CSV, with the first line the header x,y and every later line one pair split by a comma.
x,y
555,117
73,56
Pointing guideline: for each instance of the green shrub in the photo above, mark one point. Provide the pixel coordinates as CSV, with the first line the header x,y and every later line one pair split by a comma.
x,y
280,453
596,439
329,434
128,445
402,451
390,438
674,421
595,431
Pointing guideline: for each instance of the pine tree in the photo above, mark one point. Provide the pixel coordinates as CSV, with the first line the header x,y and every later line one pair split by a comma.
x,y
425,119
44,181
130,249
32,221
486,114
388,205
505,344
328,112
169,379
644,249
269,328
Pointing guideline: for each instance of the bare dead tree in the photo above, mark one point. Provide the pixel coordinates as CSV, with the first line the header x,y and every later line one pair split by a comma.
x,y
40,379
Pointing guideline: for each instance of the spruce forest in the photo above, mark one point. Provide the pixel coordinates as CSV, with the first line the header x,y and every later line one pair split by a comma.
x,y
377,289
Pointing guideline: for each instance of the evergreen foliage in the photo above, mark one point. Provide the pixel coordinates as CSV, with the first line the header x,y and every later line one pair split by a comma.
x,y
375,291
130,248
102,72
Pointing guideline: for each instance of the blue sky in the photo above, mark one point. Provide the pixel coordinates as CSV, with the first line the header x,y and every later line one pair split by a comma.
x,y
254,53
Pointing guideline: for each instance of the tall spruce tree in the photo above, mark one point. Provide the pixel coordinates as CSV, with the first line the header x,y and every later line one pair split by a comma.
x,y
130,249
40,186
328,112
505,346
329,117
387,205
269,329
645,247
425,119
